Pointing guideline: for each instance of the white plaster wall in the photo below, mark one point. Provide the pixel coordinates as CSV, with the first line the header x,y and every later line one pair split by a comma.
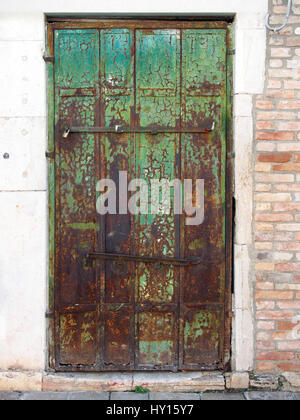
x,y
23,181
23,196
22,279
136,6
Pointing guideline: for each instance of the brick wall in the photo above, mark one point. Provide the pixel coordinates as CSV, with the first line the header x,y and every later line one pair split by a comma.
x,y
277,199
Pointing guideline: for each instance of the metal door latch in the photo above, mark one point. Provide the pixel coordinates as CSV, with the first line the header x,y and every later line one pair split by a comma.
x,y
48,59
66,132
207,127
49,155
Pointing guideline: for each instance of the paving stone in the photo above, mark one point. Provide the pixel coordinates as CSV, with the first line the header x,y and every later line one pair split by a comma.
x,y
9,396
222,396
174,396
128,396
275,396
45,396
88,396
64,396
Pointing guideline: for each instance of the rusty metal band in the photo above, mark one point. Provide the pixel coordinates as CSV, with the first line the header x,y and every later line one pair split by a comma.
x,y
150,130
144,259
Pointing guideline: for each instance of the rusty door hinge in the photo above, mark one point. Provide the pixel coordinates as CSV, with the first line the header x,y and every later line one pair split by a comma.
x,y
49,315
231,51
48,59
49,155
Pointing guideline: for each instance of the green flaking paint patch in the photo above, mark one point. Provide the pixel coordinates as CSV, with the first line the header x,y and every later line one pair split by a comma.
x,y
154,349
82,226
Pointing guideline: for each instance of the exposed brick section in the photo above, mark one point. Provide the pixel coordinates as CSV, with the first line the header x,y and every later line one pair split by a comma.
x,y
277,200
272,135
272,157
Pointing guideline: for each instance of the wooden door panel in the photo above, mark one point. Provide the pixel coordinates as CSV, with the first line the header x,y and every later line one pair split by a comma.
x,y
76,77
157,339
78,338
118,326
204,157
157,103
202,335
116,154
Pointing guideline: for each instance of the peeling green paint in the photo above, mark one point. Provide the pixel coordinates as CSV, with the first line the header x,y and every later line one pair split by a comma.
x,y
165,77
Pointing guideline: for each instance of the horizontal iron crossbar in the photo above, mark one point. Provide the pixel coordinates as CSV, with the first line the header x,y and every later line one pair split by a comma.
x,y
137,258
206,128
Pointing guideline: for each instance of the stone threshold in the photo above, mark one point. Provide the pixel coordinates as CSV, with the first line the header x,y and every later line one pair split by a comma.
x,y
112,381
152,381
159,382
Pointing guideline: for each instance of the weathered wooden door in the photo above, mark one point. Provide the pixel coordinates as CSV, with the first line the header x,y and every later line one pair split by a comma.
x,y
126,313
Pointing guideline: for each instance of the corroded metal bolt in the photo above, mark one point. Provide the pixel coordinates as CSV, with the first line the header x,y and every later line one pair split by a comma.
x,y
6,156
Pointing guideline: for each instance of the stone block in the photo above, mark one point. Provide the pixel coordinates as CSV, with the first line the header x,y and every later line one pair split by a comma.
x,y
293,380
180,382
22,79
24,140
128,396
243,179
222,396
44,396
243,105
264,382
20,26
176,396
20,381
65,396
243,344
9,396
250,60
237,380
270,396
23,257
104,382
88,396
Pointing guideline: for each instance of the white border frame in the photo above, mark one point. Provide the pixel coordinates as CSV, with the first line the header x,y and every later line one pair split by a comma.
x,y
24,22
